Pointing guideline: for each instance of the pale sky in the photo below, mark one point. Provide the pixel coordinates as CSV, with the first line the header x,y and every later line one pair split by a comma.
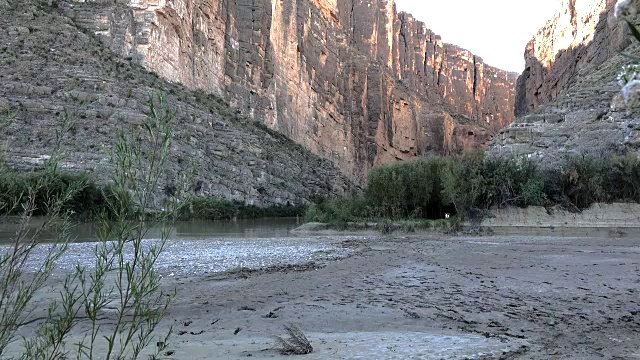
x,y
495,30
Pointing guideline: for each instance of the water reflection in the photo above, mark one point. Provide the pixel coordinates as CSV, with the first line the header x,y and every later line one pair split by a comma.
x,y
256,228
185,230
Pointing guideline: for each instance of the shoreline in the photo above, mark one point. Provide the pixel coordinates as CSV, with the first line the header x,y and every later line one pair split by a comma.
x,y
466,230
617,218
427,297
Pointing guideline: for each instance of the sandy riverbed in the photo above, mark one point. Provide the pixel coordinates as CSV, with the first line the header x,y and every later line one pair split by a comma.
x,y
397,298
510,297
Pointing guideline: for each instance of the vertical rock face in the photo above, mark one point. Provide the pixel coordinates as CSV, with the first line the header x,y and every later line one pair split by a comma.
x,y
52,70
352,80
579,38
568,98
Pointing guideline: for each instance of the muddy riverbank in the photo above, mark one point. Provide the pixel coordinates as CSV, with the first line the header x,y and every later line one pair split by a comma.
x,y
516,297
424,297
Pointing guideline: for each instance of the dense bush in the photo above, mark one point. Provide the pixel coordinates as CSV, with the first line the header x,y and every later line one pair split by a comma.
x,y
473,183
92,200
429,188
410,189
89,201
468,185
586,179
339,211
216,209
623,179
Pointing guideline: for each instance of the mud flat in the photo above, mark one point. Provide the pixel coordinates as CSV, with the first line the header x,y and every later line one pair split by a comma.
x,y
424,297
516,297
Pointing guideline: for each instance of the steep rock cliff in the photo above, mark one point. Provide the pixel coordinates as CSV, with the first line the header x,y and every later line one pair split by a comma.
x,y
579,38
351,80
568,99
49,68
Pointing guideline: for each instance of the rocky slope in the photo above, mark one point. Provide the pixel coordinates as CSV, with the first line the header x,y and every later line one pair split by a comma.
x,y
49,66
579,38
568,97
351,80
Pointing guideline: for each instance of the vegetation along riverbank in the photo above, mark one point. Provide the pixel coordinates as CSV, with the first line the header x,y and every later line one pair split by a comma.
x,y
92,199
432,192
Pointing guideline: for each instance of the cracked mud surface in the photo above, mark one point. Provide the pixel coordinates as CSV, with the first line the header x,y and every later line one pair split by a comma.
x,y
527,297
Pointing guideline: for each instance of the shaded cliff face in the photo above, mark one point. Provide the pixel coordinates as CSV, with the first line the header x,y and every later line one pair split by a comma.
x,y
49,67
579,38
351,80
568,98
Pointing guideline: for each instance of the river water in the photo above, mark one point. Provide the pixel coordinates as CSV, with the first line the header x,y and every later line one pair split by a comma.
x,y
210,247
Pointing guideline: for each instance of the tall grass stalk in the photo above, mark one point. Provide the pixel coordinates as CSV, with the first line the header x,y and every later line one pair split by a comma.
x,y
20,277
120,297
124,280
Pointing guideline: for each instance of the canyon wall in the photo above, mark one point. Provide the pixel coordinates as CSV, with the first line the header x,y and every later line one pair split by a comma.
x,y
568,99
50,69
580,37
352,80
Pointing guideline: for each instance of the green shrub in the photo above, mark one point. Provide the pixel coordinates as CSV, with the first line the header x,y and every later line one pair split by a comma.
x,y
217,209
208,209
533,192
475,182
623,180
407,189
314,214
339,211
584,180
464,184
514,182
86,203
95,201
468,185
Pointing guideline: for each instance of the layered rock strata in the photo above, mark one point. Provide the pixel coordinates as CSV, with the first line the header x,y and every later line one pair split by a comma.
x,y
351,80
568,99
580,37
50,69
